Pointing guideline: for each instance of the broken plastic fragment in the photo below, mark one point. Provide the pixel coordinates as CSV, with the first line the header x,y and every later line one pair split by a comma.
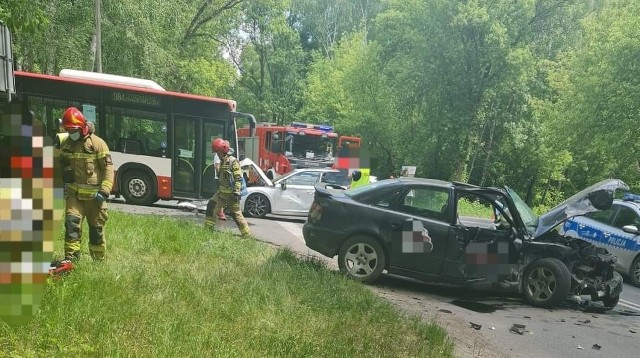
x,y
596,347
475,326
517,328
579,347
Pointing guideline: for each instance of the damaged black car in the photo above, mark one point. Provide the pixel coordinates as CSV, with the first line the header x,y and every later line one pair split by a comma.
x,y
456,233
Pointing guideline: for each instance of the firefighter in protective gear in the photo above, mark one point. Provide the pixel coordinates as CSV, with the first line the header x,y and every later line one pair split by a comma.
x,y
229,187
60,137
88,173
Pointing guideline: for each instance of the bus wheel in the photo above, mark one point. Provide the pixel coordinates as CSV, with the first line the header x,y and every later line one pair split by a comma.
x,y
138,188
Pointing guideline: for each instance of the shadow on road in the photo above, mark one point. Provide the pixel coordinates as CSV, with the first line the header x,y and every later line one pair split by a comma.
x,y
475,300
483,301
291,219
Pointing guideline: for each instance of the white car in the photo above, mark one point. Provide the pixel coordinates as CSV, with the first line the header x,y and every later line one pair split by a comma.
x,y
290,194
616,229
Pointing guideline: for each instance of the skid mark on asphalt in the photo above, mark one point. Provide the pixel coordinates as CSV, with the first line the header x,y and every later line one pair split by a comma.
x,y
630,305
293,228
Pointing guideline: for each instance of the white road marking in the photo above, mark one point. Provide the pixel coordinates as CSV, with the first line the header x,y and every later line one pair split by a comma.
x,y
627,304
293,228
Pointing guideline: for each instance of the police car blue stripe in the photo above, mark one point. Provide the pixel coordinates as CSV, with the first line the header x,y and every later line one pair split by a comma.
x,y
592,233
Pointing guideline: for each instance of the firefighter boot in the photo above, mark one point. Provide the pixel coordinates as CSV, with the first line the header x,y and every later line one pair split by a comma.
x,y
72,237
236,213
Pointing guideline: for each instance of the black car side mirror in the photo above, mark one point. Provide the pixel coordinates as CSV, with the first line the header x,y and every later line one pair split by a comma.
x,y
283,185
631,229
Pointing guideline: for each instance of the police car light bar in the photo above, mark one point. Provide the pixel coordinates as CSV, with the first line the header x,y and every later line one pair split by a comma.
x,y
321,127
631,197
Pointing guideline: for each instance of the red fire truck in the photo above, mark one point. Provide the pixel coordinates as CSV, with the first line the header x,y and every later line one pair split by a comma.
x,y
278,149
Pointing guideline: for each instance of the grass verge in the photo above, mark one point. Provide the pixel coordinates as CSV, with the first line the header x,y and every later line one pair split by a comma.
x,y
170,288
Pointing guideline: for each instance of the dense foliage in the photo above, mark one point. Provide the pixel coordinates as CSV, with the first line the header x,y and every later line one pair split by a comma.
x,y
540,95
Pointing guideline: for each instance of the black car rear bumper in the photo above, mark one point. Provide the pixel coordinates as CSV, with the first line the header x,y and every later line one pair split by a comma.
x,y
322,239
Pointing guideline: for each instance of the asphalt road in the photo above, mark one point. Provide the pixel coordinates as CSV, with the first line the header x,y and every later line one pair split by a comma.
x,y
565,331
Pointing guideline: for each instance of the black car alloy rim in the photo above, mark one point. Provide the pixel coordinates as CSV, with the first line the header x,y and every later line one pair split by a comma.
x,y
361,259
541,284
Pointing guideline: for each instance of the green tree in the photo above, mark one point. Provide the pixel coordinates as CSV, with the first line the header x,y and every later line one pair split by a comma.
x,y
322,24
597,110
270,60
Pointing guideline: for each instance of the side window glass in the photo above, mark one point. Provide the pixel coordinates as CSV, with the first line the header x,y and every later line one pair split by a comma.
x,y
267,141
480,212
141,132
626,216
604,216
425,202
47,111
385,200
335,178
304,178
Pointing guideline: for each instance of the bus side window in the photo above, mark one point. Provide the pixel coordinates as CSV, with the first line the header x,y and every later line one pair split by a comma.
x,y
136,132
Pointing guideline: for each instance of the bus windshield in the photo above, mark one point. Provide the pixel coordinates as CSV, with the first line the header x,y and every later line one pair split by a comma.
x,y
309,146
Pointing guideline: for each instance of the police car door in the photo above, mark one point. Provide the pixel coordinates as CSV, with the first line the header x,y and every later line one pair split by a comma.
x,y
604,229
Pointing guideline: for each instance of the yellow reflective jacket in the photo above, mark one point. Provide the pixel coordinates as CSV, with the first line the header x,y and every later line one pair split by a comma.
x,y
364,178
90,160
230,174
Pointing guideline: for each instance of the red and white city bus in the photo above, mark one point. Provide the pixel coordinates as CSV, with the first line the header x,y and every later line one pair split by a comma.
x,y
160,141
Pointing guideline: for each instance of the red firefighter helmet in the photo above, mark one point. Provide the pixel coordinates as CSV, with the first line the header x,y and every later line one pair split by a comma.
x,y
74,119
220,145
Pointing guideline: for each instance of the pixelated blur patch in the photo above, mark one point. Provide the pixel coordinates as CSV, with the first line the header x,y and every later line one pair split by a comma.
x,y
492,260
415,237
30,213
353,157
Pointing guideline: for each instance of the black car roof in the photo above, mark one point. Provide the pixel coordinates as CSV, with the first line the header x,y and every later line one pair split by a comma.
x,y
424,181
437,183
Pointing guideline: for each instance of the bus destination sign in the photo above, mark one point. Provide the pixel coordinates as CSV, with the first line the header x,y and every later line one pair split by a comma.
x,y
137,98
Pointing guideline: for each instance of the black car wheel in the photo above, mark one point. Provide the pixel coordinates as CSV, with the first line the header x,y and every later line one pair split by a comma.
x,y
137,188
546,282
362,258
634,272
257,206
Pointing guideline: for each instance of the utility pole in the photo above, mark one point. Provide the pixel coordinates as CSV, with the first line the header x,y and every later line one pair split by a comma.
x,y
98,37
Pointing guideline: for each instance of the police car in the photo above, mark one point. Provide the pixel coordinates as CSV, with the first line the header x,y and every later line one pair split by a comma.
x,y
616,229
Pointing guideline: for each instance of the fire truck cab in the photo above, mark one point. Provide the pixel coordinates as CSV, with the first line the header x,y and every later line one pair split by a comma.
x,y
279,149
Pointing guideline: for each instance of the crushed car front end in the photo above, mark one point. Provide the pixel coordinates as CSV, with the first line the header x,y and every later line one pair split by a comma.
x,y
593,272
593,278
591,268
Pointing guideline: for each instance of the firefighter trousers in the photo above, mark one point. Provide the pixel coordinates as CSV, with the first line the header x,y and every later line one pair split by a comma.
x,y
226,199
96,214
